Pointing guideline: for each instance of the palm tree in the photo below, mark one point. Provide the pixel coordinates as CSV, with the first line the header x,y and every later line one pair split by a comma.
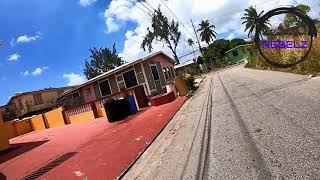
x,y
190,43
250,18
207,33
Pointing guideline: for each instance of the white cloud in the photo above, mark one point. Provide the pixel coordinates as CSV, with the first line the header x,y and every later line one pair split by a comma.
x,y
231,36
25,73
14,57
26,38
38,71
224,14
86,2
111,25
12,42
74,79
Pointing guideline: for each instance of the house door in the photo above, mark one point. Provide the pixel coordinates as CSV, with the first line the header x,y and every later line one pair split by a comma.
x,y
141,97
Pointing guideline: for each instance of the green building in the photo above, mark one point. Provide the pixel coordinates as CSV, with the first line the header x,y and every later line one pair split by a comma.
x,y
239,54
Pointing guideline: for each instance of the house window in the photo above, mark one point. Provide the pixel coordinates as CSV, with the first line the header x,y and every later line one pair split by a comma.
x,y
130,79
37,99
234,53
75,95
104,88
165,73
119,78
88,90
154,72
169,73
172,71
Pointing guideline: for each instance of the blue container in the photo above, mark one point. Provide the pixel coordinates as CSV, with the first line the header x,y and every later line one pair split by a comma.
x,y
132,105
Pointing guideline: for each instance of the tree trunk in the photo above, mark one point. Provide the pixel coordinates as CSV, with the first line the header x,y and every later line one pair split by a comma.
x,y
176,57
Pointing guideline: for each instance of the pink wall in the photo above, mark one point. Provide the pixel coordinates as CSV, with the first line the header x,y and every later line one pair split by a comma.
x,y
164,61
88,93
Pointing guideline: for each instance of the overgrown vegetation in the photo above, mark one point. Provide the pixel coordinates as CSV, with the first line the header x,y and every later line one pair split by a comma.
x,y
189,80
290,55
310,66
215,54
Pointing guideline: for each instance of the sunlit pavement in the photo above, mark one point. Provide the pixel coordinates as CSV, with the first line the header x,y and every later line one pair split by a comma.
x,y
96,150
240,124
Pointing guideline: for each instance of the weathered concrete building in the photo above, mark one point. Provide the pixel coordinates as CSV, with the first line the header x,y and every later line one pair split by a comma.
x,y
30,103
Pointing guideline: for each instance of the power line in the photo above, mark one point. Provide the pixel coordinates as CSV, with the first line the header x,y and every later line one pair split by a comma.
x,y
148,4
145,6
177,18
140,8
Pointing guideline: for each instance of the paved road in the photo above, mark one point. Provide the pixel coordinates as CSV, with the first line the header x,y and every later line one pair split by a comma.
x,y
241,124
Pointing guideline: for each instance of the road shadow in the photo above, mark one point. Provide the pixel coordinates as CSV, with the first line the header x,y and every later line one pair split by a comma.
x,y
18,149
129,118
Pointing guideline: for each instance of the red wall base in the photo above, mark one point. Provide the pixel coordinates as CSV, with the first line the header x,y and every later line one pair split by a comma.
x,y
162,99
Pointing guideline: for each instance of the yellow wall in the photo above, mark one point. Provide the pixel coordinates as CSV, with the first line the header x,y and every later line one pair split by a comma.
x,y
37,123
82,117
54,118
4,140
101,112
23,126
10,129
100,109
181,86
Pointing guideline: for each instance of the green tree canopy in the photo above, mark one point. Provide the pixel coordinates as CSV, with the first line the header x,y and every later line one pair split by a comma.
x,y
216,51
162,31
101,61
207,33
236,42
293,20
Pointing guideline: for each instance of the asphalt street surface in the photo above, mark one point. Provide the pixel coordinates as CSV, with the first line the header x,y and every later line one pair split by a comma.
x,y
240,124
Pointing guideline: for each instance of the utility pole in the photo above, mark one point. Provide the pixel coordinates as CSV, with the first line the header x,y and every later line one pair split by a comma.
x,y
195,32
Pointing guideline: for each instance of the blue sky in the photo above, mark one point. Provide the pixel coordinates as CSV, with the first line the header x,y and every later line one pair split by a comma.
x,y
59,34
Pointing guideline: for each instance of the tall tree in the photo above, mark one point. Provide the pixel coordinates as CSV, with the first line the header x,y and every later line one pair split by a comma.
x,y
101,61
250,19
190,43
162,31
293,20
207,33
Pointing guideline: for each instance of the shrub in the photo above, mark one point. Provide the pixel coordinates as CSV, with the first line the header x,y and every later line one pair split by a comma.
x,y
190,70
189,80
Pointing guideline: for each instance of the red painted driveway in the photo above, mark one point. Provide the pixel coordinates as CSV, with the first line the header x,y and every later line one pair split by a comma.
x,y
96,149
